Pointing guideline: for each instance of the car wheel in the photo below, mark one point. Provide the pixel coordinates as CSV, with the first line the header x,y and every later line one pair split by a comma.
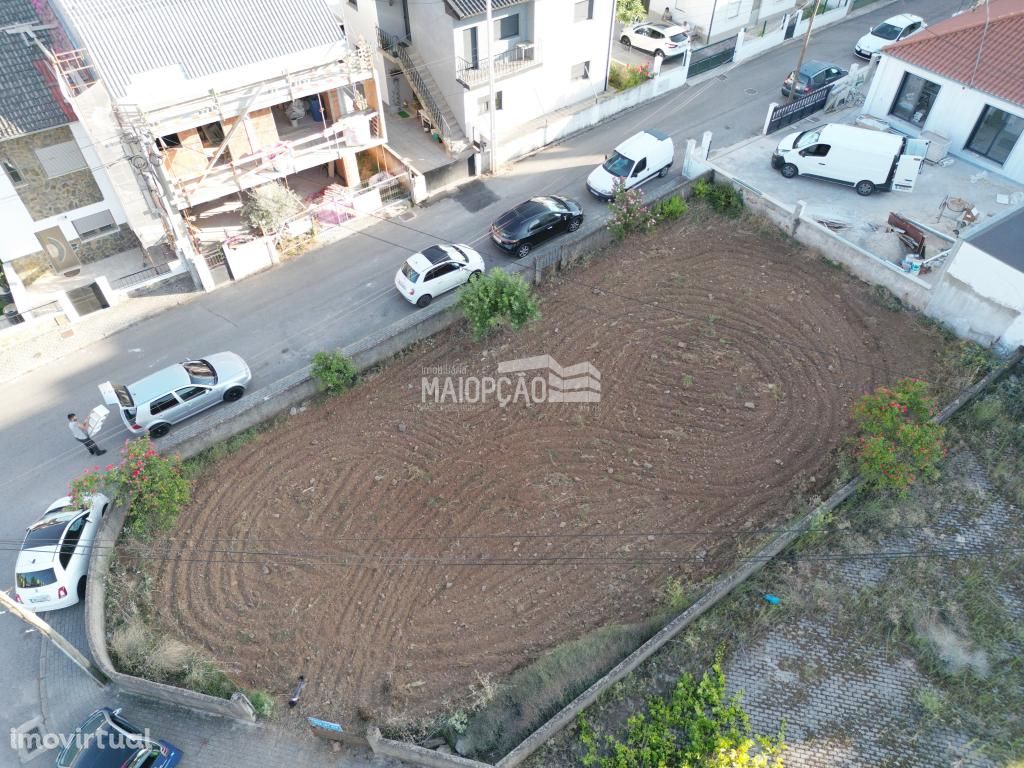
x,y
81,588
424,300
663,172
159,430
575,223
788,170
625,41
474,275
235,393
522,250
864,188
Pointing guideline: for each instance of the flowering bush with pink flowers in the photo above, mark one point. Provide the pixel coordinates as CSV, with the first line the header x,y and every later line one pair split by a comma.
x,y
898,441
154,486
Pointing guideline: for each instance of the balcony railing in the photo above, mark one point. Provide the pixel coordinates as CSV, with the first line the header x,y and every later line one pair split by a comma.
x,y
515,59
396,46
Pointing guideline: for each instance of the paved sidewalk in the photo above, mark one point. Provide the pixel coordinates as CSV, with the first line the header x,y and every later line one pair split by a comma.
x,y
68,695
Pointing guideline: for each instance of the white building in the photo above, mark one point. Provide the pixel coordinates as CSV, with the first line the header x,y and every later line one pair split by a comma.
x,y
962,80
547,54
714,20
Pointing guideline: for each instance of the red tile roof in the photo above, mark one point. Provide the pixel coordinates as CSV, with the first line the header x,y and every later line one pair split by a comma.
x,y
951,49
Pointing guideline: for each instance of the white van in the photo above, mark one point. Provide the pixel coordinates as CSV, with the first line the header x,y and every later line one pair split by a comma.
x,y
863,159
636,160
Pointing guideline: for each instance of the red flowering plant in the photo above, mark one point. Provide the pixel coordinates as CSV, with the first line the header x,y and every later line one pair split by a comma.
x,y
154,486
898,442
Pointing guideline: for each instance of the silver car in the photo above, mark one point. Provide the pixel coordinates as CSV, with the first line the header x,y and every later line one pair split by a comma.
x,y
177,392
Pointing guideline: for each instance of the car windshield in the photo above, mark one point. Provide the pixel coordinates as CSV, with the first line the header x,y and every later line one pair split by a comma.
x,y
886,31
618,165
678,37
410,274
806,138
67,756
34,579
200,371
553,204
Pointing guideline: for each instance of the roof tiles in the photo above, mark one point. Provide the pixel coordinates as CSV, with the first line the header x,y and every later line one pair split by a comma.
x,y
981,48
27,102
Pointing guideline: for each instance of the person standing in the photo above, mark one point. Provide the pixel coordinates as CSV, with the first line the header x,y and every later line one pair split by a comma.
x,y
80,431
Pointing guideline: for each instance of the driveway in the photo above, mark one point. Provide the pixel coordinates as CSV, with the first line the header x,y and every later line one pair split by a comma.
x,y
323,300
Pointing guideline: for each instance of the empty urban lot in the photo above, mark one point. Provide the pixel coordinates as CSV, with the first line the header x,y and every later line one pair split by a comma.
x,y
393,551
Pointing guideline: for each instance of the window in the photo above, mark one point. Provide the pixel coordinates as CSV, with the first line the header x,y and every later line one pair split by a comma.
x,y
484,103
95,224
914,99
497,101
187,393
640,167
995,134
581,71
354,4
508,27
169,141
12,172
818,150
60,159
584,10
161,404
733,9
71,537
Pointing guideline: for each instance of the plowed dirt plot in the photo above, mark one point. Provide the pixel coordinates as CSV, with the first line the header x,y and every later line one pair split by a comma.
x,y
390,549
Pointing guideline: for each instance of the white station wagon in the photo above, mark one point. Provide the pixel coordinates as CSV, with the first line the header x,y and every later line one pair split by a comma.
x,y
50,572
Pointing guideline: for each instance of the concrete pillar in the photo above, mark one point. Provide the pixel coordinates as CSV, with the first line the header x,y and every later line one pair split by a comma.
x,y
111,296
349,169
798,211
768,117
705,145
67,307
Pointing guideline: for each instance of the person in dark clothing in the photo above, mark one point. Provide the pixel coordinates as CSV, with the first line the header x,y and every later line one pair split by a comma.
x,y
80,431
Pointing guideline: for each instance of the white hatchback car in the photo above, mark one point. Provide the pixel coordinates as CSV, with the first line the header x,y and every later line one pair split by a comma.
x,y
659,39
51,568
889,31
434,270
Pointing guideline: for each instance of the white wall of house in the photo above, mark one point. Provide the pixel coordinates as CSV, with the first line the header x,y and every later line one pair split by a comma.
x,y
562,45
720,18
954,113
19,228
981,298
434,37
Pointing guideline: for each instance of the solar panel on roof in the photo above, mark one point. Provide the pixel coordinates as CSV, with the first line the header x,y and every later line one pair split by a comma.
x,y
435,254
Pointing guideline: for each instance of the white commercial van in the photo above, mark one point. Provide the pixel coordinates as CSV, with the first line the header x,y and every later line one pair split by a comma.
x,y
636,160
864,159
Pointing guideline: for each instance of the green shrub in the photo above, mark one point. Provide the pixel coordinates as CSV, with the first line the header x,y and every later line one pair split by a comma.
x,y
696,725
334,372
262,702
723,197
497,298
269,206
154,486
628,212
624,76
670,209
897,439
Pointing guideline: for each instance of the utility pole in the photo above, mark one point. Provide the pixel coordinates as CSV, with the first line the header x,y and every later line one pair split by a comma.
x,y
491,139
803,50
30,618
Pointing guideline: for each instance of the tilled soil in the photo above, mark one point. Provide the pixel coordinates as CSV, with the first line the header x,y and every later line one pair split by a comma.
x,y
391,550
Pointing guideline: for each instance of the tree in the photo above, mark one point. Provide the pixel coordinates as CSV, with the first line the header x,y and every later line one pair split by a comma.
x,y
271,205
629,11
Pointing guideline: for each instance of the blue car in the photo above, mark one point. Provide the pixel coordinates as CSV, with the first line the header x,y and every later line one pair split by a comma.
x,y
107,740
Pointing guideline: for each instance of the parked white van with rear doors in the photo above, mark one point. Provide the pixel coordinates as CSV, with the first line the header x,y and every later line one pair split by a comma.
x,y
863,159
635,161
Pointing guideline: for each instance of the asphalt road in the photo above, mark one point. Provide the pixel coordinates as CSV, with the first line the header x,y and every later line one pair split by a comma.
x,y
336,295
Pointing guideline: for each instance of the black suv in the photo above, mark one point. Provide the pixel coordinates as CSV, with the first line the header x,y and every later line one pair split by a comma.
x,y
534,221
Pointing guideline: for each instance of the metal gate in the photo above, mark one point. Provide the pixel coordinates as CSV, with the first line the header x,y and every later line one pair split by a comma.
x,y
711,56
788,114
87,298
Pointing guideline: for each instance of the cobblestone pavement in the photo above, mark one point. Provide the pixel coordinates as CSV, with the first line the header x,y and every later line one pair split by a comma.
x,y
848,704
68,695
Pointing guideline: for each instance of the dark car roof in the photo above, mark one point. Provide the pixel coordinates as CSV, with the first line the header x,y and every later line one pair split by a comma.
x,y
435,254
46,533
813,67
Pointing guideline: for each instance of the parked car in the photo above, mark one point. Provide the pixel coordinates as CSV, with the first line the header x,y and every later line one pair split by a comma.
x,y
891,30
635,161
434,270
659,39
50,571
813,75
860,158
531,223
107,740
177,392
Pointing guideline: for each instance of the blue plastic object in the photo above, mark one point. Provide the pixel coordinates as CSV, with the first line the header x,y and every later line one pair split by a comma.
x,y
772,599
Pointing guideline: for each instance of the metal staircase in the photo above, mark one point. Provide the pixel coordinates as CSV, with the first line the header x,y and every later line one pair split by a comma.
x,y
400,51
